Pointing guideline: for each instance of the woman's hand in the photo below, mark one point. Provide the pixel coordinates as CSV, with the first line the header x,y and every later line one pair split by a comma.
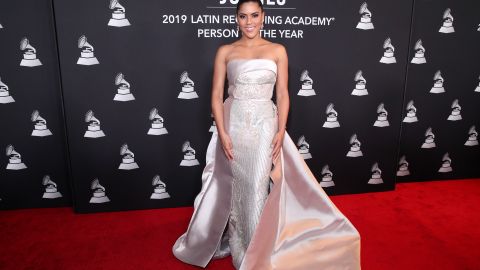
x,y
227,145
277,144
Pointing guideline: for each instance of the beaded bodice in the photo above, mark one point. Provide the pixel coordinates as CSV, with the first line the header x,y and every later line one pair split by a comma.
x,y
251,78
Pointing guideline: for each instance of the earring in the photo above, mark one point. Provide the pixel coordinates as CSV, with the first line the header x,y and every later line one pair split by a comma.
x,y
261,27
238,28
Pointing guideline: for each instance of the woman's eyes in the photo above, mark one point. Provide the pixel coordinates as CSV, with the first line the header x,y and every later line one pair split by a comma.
x,y
253,15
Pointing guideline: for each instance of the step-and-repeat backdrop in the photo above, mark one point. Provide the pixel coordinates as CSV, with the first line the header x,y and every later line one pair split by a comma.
x,y
33,166
136,80
441,114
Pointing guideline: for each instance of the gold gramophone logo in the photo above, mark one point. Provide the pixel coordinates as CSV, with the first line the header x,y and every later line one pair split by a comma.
x,y
355,147
446,164
360,85
472,137
93,130
388,52
128,159
332,114
403,167
188,87
14,159
382,117
419,57
376,177
438,81
447,26
87,56
40,128
99,195
411,116
5,96
29,54
51,191
123,89
188,155
429,139
160,191
365,22
307,85
118,15
327,177
304,148
455,115
157,127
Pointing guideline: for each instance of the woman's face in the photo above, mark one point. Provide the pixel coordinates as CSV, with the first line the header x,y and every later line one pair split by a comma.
x,y
250,19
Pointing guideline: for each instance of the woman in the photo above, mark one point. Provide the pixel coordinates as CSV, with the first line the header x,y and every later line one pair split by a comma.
x,y
295,226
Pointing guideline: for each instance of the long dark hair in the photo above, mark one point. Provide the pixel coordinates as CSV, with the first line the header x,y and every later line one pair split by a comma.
x,y
241,2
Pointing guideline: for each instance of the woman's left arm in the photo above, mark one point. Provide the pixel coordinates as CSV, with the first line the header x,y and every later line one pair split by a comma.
x,y
282,100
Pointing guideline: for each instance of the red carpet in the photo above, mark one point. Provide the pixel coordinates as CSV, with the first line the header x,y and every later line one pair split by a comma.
x,y
429,225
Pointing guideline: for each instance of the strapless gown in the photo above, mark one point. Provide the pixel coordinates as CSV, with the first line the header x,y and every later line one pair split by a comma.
x,y
267,216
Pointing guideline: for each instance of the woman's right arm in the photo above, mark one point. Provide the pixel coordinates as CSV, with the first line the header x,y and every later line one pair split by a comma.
x,y
218,82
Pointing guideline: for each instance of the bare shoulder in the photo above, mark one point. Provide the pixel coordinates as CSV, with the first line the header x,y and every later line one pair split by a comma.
x,y
279,50
223,51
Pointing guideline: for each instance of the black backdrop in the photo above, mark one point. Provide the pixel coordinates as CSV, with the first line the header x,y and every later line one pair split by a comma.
x,y
159,44
456,55
32,88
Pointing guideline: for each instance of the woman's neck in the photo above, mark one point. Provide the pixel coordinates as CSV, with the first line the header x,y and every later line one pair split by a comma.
x,y
251,42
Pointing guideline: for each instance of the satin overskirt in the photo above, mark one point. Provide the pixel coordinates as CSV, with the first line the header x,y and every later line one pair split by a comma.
x,y
299,228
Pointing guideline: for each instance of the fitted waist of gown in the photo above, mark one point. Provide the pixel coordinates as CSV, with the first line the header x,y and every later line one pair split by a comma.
x,y
242,109
251,110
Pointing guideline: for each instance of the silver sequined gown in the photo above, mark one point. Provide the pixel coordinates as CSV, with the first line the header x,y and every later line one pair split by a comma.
x,y
295,227
252,126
